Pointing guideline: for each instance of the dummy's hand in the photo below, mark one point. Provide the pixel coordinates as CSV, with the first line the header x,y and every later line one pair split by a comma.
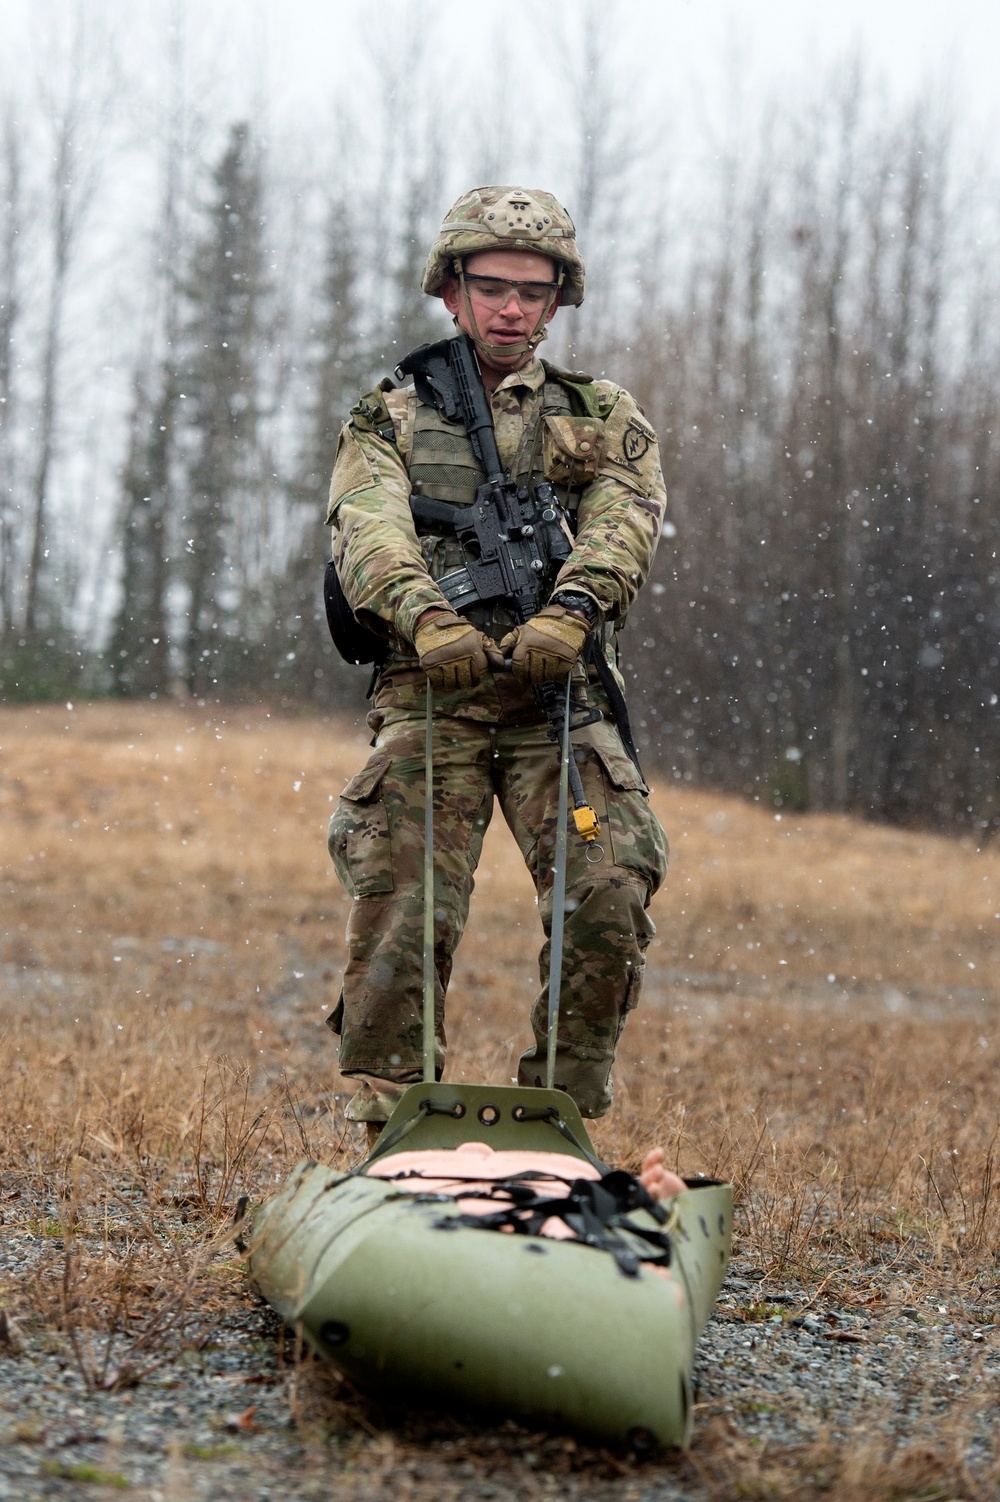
x,y
450,651
545,648
658,1181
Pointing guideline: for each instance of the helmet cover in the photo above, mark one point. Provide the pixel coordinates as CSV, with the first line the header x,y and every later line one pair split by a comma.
x,y
505,218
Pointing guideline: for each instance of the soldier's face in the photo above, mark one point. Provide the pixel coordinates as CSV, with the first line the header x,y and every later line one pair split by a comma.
x,y
503,320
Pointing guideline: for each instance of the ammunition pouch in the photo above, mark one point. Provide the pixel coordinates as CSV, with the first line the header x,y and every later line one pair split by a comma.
x,y
353,641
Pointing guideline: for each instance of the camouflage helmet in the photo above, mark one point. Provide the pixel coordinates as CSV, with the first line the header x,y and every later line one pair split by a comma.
x,y
506,219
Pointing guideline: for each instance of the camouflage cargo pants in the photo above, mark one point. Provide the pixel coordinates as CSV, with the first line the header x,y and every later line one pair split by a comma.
x,y
376,842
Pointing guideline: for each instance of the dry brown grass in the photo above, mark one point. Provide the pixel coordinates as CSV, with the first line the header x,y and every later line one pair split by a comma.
x,y
171,930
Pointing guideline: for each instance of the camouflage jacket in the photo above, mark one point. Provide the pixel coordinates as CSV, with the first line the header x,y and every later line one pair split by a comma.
x,y
385,571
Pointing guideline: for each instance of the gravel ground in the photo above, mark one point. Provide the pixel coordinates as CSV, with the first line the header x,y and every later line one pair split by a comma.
x,y
239,1418
786,1374
892,1367
782,1370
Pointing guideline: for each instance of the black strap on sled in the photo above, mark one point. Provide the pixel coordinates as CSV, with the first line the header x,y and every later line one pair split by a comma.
x,y
389,1140
596,1211
529,1176
550,1115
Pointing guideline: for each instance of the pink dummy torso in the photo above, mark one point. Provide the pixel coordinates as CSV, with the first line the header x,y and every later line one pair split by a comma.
x,y
474,1166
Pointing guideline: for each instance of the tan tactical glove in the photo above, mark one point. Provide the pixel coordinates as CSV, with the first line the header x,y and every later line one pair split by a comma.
x,y
450,651
545,648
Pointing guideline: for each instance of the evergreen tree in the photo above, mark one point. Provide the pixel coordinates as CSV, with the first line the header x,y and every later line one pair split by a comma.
x,y
308,664
224,292
415,319
138,650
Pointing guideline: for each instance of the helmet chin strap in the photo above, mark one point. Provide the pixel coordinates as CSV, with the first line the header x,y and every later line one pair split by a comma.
x,y
498,353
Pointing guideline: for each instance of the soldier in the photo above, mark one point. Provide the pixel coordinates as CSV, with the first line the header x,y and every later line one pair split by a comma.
x,y
504,262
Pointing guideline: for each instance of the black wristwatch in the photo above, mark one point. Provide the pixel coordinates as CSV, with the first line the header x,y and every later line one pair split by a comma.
x,y
580,604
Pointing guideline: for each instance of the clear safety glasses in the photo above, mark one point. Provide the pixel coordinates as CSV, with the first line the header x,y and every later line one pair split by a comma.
x,y
495,293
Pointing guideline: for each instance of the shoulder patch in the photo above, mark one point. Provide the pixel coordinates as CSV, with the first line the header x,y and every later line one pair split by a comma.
x,y
632,453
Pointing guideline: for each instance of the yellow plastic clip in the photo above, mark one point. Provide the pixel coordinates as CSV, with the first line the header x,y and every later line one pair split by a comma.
x,y
588,825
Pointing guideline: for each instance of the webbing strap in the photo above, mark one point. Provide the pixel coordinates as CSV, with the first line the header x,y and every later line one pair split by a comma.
x,y
430,1070
389,1140
596,1213
558,900
564,1128
551,1115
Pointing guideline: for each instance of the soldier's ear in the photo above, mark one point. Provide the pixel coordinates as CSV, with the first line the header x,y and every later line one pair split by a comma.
x,y
556,303
450,295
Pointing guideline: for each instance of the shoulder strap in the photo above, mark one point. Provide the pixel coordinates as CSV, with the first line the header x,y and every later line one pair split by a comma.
x,y
371,415
594,653
583,391
352,639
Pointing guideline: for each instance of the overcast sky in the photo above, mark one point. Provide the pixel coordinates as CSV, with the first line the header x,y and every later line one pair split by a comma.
x,y
312,46
691,71
305,52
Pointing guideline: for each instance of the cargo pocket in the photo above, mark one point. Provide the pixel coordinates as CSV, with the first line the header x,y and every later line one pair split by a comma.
x,y
358,840
637,840
572,449
633,990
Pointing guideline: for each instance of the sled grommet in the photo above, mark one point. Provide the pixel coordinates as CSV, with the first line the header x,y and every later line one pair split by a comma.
x,y
334,1332
454,1108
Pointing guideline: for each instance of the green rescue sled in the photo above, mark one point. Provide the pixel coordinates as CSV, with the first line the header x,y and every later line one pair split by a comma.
x,y
412,1300
415,1298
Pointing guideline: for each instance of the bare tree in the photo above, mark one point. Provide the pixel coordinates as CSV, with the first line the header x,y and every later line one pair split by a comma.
x,y
339,368
76,102
10,292
825,231
139,648
607,149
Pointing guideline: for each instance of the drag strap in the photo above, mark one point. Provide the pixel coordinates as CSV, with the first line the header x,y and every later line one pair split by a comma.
x,y
565,1130
597,1213
388,1140
551,1115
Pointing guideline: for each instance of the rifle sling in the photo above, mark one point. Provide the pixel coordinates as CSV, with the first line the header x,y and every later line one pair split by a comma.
x,y
594,653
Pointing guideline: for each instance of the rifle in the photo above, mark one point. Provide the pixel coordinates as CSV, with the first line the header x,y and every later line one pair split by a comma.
x,y
513,541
